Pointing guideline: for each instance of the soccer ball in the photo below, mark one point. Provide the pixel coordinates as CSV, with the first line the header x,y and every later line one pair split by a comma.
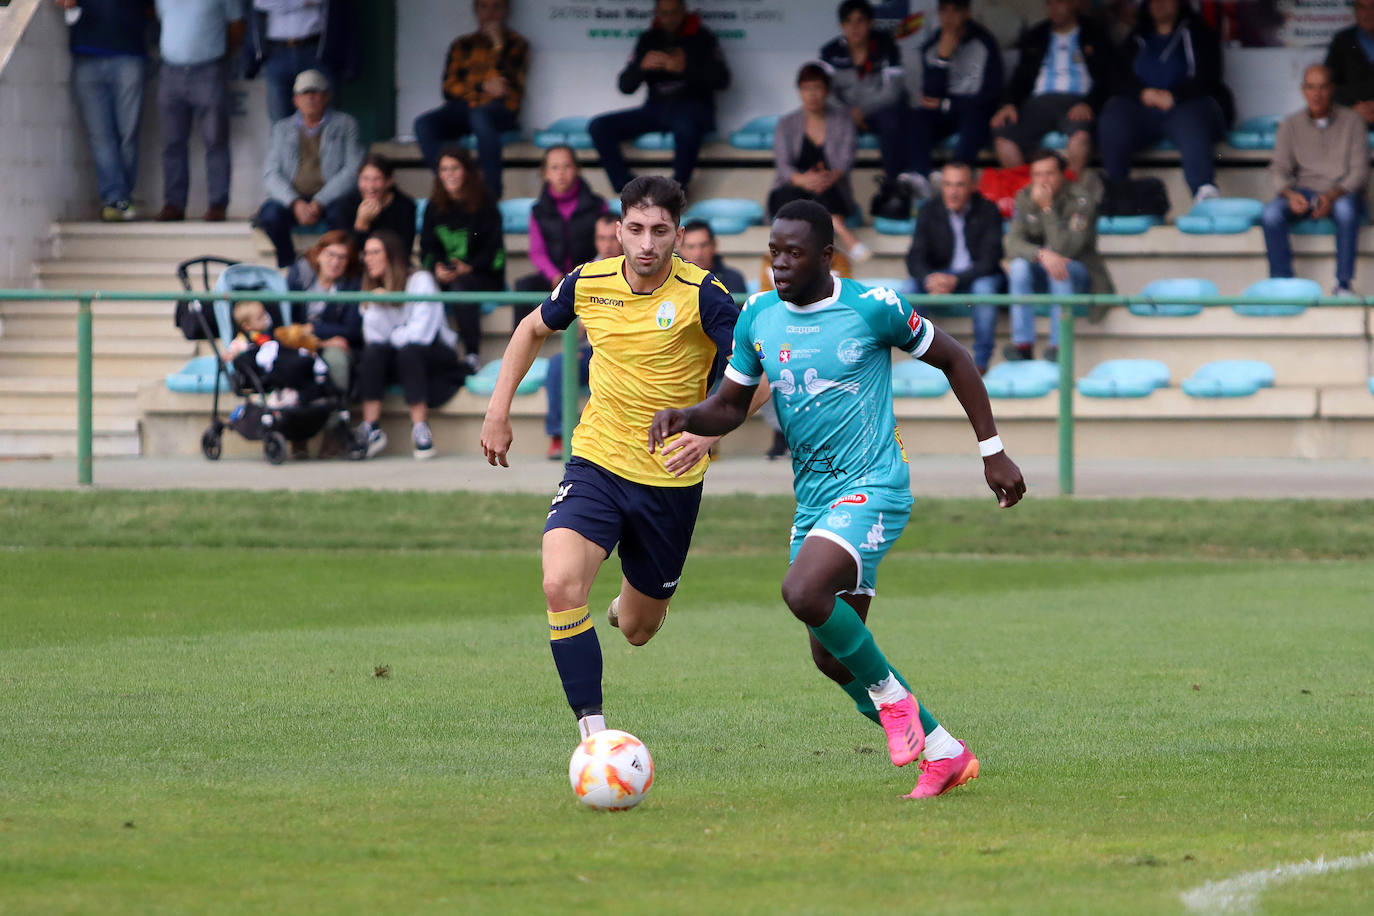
x,y
611,771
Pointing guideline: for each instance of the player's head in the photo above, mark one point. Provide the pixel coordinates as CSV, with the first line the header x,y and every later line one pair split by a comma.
x,y
698,244
800,247
650,208
607,240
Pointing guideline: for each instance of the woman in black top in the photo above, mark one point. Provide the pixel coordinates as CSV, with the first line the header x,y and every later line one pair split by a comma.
x,y
378,204
462,243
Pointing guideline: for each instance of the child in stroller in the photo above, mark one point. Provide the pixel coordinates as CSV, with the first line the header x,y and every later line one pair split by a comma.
x,y
284,358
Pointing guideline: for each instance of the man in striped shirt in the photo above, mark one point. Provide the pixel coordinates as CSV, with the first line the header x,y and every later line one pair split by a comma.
x,y
1061,80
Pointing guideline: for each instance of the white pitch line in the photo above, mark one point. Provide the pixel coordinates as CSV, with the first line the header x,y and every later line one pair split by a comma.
x,y
1238,894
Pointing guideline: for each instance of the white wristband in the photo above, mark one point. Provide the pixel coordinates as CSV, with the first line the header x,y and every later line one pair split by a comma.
x,y
988,447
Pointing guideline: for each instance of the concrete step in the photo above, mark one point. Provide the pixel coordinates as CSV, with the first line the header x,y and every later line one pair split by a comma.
x,y
124,444
173,242
111,397
112,357
128,276
104,326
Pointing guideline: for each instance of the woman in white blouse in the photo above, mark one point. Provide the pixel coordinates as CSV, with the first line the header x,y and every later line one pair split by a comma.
x,y
406,342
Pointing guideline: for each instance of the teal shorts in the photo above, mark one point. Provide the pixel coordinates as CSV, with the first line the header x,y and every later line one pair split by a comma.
x,y
866,523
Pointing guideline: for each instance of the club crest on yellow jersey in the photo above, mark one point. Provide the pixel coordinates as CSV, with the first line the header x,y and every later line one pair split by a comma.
x,y
667,314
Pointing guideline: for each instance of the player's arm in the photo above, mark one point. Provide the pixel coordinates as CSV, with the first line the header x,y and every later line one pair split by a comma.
x,y
723,411
1001,473
515,362
686,450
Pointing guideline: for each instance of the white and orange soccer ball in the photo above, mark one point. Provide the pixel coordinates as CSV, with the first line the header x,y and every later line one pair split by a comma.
x,y
611,770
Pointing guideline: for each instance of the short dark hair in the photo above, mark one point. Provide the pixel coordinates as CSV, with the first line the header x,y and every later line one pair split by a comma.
x,y
697,225
572,154
1046,153
654,191
813,73
607,216
959,164
808,211
856,6
378,162
959,4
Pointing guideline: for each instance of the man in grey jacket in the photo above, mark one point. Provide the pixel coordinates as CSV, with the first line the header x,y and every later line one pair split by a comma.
x,y
312,163
865,69
1321,162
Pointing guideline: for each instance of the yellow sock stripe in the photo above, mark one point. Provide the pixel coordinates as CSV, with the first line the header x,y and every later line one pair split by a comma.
x,y
563,624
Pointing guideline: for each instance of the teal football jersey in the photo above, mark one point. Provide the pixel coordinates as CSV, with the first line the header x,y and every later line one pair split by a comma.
x,y
829,365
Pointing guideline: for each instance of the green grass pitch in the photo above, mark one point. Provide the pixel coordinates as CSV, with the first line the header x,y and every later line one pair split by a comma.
x,y
199,715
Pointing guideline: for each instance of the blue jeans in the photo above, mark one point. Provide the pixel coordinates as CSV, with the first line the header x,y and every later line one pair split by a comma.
x,y
280,69
553,386
1345,212
454,120
1128,124
928,127
984,316
1026,278
688,120
184,94
110,93
277,219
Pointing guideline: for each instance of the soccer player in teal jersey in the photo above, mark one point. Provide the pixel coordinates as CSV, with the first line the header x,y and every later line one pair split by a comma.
x,y
825,346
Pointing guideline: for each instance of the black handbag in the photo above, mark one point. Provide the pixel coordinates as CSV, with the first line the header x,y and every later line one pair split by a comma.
x,y
892,200
1134,197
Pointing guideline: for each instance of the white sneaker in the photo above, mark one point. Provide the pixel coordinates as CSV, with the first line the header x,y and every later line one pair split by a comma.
x,y
423,440
860,253
1206,192
370,441
1343,291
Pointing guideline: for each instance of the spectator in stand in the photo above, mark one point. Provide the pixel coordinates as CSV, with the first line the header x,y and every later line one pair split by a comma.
x,y
1170,86
813,151
193,82
376,203
331,266
699,248
108,59
1350,59
961,81
287,37
607,246
1062,78
312,163
563,225
462,242
957,248
865,70
408,342
681,62
1052,244
1321,163
484,84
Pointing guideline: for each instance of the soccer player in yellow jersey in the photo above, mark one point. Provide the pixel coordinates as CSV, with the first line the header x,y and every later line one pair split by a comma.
x,y
660,330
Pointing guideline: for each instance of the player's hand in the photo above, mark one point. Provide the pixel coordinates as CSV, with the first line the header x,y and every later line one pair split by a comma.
x,y
685,451
1323,206
666,424
496,440
1004,478
1297,203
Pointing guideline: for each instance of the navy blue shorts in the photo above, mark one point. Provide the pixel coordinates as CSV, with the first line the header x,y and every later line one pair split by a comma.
x,y
652,525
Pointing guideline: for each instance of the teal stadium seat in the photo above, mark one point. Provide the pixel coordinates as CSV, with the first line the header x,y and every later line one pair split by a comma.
x,y
515,214
726,215
1031,378
421,205
1229,378
912,378
565,132
656,140
868,141
1258,132
198,377
1313,227
613,204
507,138
483,382
755,135
1371,384
1124,378
1054,140
1126,225
1172,288
1277,287
1221,216
886,226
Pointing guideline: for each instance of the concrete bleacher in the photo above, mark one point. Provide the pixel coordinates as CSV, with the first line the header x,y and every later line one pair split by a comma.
x,y
1320,406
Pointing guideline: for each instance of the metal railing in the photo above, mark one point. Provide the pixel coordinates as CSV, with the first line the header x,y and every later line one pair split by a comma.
x,y
86,299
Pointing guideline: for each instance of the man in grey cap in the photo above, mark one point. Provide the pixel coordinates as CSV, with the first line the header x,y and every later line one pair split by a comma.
x,y
312,162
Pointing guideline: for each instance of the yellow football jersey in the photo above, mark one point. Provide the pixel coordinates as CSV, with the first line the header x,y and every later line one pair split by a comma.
x,y
650,351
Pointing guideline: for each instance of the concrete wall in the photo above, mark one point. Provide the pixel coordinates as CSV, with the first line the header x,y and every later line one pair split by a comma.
x,y
45,163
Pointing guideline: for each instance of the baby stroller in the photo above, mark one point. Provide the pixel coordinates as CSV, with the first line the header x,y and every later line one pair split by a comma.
x,y
260,417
